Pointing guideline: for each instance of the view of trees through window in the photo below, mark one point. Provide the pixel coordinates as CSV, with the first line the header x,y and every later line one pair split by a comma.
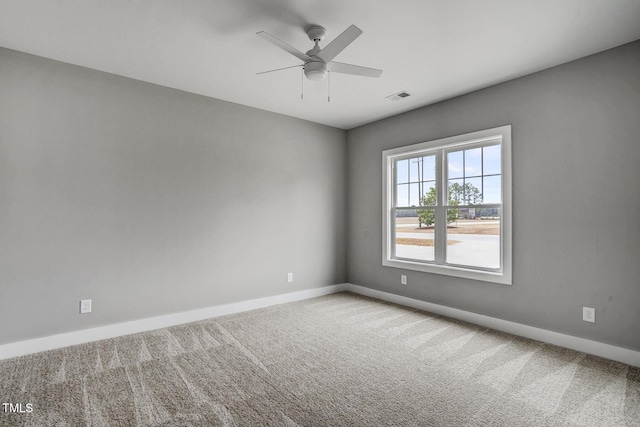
x,y
472,207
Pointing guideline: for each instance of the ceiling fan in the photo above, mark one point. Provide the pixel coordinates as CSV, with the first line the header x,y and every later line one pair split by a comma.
x,y
317,61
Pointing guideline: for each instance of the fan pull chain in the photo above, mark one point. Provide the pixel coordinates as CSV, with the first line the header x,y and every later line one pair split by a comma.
x,y
302,84
328,86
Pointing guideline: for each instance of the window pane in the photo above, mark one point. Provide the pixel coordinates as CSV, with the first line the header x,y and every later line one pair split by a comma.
x,y
456,191
473,191
414,195
414,235
402,171
455,165
474,242
429,171
415,166
491,160
492,193
473,162
428,193
488,214
402,195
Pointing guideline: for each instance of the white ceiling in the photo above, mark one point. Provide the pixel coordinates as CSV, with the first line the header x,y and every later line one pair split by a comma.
x,y
435,49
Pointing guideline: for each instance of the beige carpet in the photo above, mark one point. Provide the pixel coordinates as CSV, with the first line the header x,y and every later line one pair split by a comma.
x,y
339,360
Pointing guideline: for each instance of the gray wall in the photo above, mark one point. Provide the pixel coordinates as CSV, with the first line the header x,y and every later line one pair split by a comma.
x,y
151,201
576,205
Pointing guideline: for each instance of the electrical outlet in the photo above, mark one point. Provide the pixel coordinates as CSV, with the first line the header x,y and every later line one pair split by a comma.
x,y
85,306
589,314
290,277
403,279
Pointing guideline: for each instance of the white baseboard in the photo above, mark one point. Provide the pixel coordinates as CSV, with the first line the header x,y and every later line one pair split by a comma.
x,y
37,345
619,354
630,357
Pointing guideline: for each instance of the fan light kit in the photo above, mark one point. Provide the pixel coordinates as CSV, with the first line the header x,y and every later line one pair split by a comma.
x,y
318,62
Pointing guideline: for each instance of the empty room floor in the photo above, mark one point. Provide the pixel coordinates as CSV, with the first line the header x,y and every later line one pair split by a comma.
x,y
337,360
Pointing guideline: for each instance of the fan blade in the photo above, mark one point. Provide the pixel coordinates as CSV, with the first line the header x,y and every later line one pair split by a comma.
x,y
338,44
356,70
279,69
282,45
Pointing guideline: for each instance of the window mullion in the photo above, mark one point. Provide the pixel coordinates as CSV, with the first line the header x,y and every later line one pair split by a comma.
x,y
391,226
440,211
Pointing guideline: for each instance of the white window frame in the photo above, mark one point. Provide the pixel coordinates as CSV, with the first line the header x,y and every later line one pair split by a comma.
x,y
440,147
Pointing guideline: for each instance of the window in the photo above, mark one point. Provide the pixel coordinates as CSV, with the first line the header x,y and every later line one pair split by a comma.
x,y
447,206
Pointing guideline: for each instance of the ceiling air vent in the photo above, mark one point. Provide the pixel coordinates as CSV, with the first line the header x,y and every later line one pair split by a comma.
x,y
399,95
